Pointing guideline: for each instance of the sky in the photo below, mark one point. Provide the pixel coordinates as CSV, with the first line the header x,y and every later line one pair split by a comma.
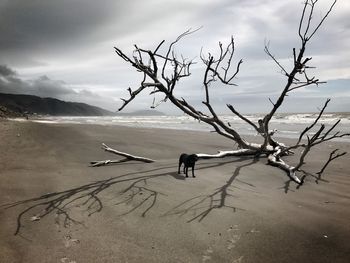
x,y
65,49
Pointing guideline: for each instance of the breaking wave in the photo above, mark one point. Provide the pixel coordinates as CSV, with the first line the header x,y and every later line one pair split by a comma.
x,y
287,125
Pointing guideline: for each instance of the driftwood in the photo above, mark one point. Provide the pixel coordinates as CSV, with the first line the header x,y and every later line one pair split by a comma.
x,y
128,157
162,69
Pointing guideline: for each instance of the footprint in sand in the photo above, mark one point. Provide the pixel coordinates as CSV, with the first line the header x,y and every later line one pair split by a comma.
x,y
233,238
238,260
253,231
232,228
232,241
207,254
67,260
69,241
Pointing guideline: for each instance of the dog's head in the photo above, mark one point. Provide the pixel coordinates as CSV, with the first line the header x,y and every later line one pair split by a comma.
x,y
195,157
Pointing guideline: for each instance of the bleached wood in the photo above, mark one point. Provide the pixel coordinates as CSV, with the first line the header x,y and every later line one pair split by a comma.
x,y
105,162
128,157
163,71
274,160
221,154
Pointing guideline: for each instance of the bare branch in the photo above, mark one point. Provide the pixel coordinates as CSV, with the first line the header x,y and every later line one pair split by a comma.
x,y
302,20
307,84
157,48
184,34
272,102
332,156
267,51
244,118
106,162
299,67
275,160
220,69
128,157
314,123
213,65
323,19
132,96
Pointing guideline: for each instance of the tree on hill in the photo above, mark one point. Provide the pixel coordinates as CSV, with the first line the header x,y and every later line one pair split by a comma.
x,y
162,71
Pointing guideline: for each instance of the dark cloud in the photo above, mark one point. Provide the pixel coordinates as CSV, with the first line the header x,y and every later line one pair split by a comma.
x,y
6,71
72,40
44,87
26,24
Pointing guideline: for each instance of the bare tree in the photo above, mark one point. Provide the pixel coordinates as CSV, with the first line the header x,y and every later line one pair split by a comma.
x,y
162,71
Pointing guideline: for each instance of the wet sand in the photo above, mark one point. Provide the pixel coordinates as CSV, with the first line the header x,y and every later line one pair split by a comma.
x,y
235,210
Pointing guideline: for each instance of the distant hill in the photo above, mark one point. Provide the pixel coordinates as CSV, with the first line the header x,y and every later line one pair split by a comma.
x,y
21,104
6,113
142,113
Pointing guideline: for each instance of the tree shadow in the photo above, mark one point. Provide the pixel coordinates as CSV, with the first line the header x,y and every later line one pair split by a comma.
x,y
287,185
86,196
305,175
202,205
148,196
137,194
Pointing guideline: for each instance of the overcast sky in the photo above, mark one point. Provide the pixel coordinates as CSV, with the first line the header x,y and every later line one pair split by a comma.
x,y
64,49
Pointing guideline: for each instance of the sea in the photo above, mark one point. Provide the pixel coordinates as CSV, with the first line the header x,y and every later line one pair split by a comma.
x,y
287,125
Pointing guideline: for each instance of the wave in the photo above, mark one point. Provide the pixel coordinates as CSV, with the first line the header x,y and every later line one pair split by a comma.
x,y
287,125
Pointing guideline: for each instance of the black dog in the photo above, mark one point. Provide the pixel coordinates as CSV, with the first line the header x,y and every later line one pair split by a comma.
x,y
189,160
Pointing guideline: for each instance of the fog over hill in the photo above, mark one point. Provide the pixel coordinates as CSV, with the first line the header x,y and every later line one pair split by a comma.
x,y
48,106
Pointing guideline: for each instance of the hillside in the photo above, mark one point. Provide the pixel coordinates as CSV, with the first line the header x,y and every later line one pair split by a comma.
x,y
6,113
48,106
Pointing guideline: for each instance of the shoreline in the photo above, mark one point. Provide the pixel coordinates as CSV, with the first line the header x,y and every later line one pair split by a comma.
x,y
235,210
192,125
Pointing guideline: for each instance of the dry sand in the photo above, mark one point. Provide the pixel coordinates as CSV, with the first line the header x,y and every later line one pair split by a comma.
x,y
235,210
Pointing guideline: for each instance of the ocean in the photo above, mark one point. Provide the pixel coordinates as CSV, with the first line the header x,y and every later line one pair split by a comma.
x,y
287,125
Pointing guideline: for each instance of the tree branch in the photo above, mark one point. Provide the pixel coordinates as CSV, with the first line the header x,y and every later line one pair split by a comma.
x,y
332,156
219,69
128,157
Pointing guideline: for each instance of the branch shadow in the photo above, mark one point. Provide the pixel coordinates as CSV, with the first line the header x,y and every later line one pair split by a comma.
x,y
317,177
305,175
202,205
137,194
86,196
287,185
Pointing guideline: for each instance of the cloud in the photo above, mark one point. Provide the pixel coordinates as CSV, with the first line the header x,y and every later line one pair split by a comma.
x,y
26,24
6,71
72,40
43,86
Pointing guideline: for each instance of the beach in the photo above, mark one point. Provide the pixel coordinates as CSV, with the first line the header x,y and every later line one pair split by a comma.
x,y
235,210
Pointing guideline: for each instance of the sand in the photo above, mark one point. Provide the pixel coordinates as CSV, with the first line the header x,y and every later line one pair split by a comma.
x,y
235,210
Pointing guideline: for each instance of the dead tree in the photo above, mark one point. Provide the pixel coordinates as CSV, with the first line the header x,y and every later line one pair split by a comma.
x,y
162,71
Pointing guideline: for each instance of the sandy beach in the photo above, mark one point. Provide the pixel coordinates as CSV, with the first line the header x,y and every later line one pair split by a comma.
x,y
235,210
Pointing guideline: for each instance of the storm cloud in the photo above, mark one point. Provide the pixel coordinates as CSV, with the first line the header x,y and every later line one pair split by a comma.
x,y
64,48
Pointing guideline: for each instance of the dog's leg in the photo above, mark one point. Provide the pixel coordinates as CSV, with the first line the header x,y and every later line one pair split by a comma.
x,y
193,171
186,171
